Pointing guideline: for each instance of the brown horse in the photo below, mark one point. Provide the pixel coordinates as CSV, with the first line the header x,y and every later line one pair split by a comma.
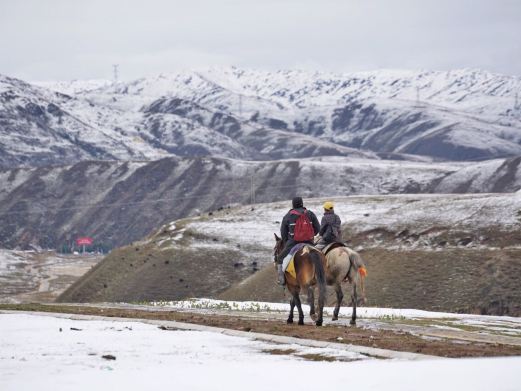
x,y
343,264
309,267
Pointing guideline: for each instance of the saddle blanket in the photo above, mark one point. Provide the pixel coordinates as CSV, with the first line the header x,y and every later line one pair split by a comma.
x,y
287,263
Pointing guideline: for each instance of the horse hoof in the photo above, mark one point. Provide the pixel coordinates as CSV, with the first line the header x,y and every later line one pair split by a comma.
x,y
289,321
301,323
334,318
352,322
318,323
313,316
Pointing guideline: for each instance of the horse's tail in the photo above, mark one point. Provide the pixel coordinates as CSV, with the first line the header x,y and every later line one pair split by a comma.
x,y
320,275
359,265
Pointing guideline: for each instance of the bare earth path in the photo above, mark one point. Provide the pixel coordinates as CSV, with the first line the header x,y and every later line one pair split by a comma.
x,y
30,276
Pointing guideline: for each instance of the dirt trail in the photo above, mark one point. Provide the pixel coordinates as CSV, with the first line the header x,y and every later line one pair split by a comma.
x,y
448,329
386,335
42,276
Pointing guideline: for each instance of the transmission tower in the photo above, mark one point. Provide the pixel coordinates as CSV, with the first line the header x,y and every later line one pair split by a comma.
x,y
252,189
116,71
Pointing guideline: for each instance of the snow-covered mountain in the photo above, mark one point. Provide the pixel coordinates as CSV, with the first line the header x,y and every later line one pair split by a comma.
x,y
40,127
261,115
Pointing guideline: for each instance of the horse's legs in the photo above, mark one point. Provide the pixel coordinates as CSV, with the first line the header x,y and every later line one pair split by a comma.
x,y
354,301
311,302
321,299
299,308
291,308
339,297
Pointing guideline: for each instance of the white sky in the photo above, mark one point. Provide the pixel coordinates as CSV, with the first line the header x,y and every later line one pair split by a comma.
x,y
81,39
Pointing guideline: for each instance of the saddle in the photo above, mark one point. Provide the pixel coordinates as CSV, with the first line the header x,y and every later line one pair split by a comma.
x,y
332,246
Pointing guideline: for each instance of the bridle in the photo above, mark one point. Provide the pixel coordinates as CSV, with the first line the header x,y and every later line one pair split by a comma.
x,y
277,250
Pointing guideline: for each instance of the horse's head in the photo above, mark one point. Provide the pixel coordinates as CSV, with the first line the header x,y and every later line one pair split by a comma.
x,y
279,245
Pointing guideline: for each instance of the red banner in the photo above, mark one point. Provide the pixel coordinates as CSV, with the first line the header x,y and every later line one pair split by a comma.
x,y
84,241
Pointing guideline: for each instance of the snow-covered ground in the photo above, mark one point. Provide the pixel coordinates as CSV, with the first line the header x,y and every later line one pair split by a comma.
x,y
47,353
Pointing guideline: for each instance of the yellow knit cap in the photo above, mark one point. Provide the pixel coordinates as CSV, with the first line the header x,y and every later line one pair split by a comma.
x,y
328,205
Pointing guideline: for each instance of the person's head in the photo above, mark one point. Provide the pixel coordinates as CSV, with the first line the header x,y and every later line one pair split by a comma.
x,y
297,202
328,206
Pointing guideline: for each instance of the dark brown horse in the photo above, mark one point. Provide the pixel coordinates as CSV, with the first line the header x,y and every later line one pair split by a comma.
x,y
309,268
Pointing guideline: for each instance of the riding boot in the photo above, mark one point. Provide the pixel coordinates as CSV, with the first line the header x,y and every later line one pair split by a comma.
x,y
281,280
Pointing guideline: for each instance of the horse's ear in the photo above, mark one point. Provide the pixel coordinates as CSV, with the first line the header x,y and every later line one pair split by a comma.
x,y
276,237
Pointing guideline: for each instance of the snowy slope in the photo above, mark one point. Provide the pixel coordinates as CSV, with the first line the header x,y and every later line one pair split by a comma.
x,y
415,213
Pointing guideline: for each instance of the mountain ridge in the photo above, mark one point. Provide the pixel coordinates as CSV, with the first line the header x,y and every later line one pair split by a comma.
x,y
252,115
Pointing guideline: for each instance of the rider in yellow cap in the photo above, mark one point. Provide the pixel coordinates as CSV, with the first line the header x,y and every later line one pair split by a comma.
x,y
329,227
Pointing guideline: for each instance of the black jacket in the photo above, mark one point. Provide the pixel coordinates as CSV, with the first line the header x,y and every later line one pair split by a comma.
x,y
288,223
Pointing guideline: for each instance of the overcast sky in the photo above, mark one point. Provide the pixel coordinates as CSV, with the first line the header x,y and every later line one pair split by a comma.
x,y
81,39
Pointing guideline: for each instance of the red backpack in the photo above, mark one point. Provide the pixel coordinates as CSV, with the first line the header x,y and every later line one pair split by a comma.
x,y
303,231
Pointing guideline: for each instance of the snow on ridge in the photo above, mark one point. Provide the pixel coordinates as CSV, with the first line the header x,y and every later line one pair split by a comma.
x,y
435,86
74,87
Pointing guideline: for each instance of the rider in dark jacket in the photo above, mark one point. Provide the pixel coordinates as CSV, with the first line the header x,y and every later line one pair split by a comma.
x,y
330,230
287,231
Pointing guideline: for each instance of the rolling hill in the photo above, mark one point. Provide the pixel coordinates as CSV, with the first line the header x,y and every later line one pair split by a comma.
x,y
462,260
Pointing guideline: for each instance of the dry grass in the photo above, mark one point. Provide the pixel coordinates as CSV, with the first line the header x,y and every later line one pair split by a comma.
x,y
138,273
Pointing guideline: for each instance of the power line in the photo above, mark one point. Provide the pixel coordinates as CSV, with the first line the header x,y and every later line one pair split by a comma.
x,y
87,206
252,190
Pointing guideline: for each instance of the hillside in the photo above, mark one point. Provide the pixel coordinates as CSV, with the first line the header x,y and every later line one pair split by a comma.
x,y
119,202
259,115
464,259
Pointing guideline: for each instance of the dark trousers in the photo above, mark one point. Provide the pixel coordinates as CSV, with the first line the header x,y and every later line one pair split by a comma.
x,y
287,248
